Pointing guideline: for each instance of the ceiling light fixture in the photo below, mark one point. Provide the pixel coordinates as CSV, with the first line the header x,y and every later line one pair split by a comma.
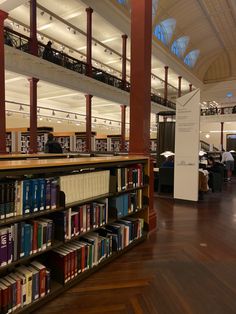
x,y
53,113
68,116
21,108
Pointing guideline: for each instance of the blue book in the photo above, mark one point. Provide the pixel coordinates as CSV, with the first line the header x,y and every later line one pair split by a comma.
x,y
48,193
54,189
27,239
117,203
26,196
35,282
42,194
125,204
22,244
34,195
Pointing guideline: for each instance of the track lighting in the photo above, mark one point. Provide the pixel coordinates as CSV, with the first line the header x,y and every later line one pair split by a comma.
x,y
68,116
50,18
68,28
21,108
95,120
42,13
76,117
53,113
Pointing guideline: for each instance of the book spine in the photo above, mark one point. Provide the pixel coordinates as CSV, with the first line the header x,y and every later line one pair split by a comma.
x,y
26,197
2,200
9,245
48,282
3,246
22,246
34,195
48,193
54,188
42,194
27,238
7,200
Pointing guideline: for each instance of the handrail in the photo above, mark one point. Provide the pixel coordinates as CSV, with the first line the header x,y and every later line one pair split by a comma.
x,y
218,111
22,42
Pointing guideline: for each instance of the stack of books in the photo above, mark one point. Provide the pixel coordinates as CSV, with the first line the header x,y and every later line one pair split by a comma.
x,y
20,197
74,221
78,187
24,239
23,286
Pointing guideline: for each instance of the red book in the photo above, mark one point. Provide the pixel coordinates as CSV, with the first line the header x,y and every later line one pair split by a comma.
x,y
4,298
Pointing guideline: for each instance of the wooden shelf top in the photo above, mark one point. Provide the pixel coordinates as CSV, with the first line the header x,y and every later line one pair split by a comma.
x,y
64,162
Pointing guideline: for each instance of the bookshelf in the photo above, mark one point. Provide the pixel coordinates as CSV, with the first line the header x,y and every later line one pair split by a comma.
x,y
101,144
80,142
76,216
66,140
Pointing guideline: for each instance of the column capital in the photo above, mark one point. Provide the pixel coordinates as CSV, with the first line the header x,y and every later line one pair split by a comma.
x,y
180,77
89,10
166,67
33,80
3,15
88,95
124,36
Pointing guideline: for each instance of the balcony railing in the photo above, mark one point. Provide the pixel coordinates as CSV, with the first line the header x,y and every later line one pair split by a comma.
x,y
218,111
22,43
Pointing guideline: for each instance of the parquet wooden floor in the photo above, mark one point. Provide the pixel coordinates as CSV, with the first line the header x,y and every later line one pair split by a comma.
x,y
187,267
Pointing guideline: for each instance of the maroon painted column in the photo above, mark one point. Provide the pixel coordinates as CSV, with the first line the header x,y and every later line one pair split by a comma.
x,y
88,122
124,58
89,41
190,87
140,94
179,86
33,28
123,124
222,135
122,107
33,115
166,83
3,16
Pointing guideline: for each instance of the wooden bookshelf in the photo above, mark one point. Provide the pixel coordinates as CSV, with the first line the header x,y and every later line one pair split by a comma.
x,y
140,166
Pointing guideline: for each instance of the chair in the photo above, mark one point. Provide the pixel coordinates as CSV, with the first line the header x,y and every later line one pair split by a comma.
x,y
166,180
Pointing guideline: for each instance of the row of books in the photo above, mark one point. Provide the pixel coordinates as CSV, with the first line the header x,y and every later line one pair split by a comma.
x,y
20,197
128,177
23,286
77,256
24,239
80,219
126,203
78,187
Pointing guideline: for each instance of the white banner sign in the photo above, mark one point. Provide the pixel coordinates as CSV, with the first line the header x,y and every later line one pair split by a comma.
x,y
187,146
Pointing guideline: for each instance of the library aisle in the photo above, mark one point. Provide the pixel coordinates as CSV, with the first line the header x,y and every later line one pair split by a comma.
x,y
188,266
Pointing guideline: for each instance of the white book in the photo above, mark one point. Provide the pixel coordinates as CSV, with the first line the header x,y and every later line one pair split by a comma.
x,y
28,276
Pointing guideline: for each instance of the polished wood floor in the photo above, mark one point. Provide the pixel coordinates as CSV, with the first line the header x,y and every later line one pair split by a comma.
x,y
187,267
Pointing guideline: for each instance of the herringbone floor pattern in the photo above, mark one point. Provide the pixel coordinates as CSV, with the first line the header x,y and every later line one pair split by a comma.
x,y
187,267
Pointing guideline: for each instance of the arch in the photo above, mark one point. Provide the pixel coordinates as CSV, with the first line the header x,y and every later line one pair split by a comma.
x,y
179,46
164,30
154,8
191,58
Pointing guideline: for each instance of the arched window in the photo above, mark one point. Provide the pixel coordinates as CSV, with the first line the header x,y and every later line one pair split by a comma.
x,y
191,58
164,31
179,46
121,1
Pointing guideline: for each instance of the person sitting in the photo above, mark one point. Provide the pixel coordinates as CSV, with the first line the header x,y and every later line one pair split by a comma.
x,y
214,166
169,162
48,53
52,146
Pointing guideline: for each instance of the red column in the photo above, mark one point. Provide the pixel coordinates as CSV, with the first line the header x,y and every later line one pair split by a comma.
x,y
88,122
124,57
179,87
3,16
140,94
89,41
190,87
123,120
33,115
33,28
222,135
166,83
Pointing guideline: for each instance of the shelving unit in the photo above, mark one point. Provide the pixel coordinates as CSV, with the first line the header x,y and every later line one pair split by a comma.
x,y
66,140
101,144
110,178
80,142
